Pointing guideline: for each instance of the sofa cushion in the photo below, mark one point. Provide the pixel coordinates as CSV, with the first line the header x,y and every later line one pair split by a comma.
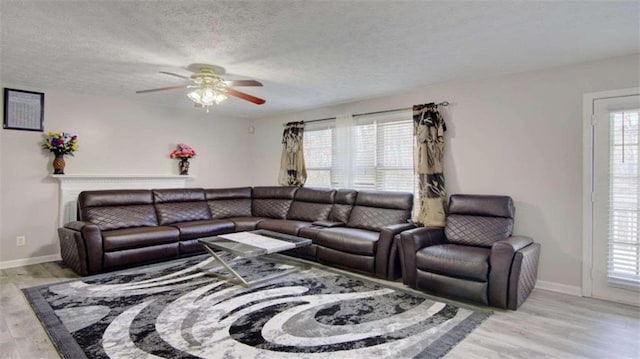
x,y
477,230
376,210
169,213
203,228
310,232
246,223
454,260
272,202
178,195
351,240
116,197
481,205
138,237
312,204
229,202
310,212
225,208
214,194
375,219
283,225
180,205
114,209
343,204
115,217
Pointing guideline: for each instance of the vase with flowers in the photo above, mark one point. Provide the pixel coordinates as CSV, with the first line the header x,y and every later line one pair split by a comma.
x,y
183,153
60,144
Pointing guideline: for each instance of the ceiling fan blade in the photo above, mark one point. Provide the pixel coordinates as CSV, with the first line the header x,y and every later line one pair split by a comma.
x,y
243,83
164,88
176,75
244,96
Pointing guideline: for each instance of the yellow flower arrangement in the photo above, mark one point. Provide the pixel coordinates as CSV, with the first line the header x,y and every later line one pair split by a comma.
x,y
62,143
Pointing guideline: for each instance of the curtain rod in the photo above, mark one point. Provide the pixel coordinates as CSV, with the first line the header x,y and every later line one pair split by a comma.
x,y
443,103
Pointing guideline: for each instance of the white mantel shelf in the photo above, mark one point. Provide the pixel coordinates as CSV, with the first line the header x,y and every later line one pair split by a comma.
x,y
72,184
112,176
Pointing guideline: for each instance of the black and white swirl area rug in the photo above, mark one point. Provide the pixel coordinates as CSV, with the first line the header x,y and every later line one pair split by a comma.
x,y
174,310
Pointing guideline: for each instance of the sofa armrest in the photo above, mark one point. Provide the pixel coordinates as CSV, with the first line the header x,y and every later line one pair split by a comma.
x,y
411,242
329,224
502,254
91,239
386,255
78,225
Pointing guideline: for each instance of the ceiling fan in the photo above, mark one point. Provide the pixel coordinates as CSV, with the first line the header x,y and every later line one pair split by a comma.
x,y
209,87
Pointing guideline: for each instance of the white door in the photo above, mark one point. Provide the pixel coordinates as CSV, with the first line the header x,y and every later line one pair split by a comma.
x,y
615,269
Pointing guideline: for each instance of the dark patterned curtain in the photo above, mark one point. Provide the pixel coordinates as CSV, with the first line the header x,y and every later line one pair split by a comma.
x,y
428,129
292,169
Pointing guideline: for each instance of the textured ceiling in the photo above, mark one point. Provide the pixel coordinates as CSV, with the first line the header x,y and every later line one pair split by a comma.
x,y
307,53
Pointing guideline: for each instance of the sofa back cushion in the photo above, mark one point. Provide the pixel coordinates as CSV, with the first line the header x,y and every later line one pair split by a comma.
x,y
229,202
272,202
376,210
479,220
180,205
342,206
312,204
115,209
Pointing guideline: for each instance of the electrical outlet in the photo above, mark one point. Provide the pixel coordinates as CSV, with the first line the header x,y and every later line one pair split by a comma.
x,y
21,241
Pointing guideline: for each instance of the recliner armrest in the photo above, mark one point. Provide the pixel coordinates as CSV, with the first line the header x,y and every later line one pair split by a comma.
x,y
79,225
329,224
386,256
502,253
399,227
418,238
513,243
411,242
92,239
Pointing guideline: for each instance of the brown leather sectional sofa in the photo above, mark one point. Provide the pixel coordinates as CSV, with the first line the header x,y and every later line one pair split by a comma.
x,y
349,229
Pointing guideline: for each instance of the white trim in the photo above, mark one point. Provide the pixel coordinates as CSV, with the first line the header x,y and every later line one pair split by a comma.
x,y
29,261
587,181
587,191
559,288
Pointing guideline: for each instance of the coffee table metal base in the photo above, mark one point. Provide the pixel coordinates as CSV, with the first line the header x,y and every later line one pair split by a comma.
x,y
238,279
227,267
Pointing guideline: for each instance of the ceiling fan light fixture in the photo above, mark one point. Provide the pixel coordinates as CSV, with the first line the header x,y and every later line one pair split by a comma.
x,y
210,88
206,97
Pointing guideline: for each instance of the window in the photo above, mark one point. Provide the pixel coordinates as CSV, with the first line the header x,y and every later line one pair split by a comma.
x,y
364,153
318,155
624,197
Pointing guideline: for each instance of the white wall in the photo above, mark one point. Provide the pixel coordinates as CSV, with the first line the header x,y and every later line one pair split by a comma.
x,y
519,135
117,136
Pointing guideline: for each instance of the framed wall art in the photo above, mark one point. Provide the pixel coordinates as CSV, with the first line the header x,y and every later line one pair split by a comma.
x,y
23,110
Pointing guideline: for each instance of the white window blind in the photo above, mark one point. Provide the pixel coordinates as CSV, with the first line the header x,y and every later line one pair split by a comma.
x,y
318,154
378,151
624,198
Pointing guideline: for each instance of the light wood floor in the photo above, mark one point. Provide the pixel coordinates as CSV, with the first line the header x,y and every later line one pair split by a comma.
x,y
548,325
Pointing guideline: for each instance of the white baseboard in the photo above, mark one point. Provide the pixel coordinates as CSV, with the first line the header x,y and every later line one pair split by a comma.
x,y
29,261
560,288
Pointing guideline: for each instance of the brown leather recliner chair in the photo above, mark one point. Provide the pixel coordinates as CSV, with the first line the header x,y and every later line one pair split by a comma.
x,y
475,257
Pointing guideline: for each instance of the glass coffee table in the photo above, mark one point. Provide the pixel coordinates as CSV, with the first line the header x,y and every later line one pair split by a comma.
x,y
250,244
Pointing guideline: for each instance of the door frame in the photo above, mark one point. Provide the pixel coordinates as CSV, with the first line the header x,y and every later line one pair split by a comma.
x,y
587,179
